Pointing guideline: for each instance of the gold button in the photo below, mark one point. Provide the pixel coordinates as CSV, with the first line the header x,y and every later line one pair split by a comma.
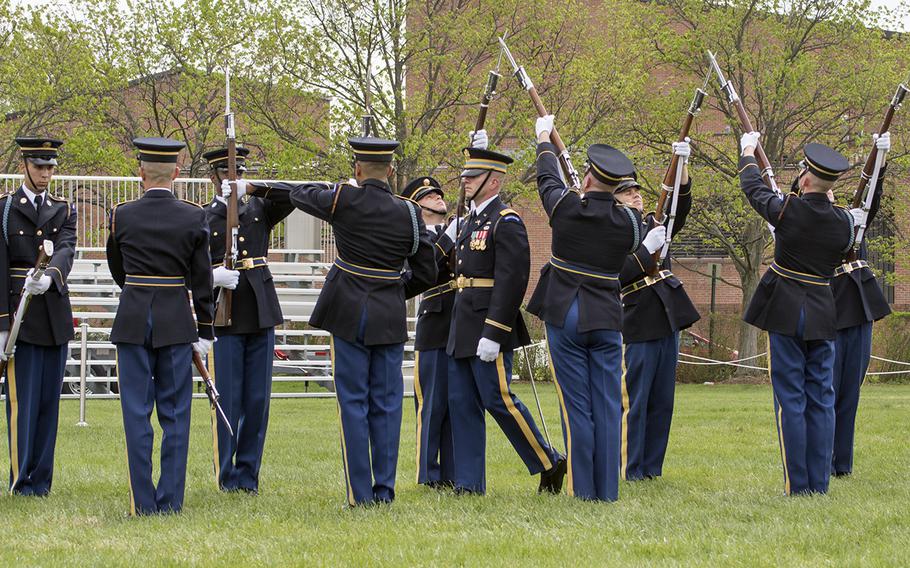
x,y
21,232
244,252
241,239
55,229
215,234
255,218
23,201
39,232
459,262
462,247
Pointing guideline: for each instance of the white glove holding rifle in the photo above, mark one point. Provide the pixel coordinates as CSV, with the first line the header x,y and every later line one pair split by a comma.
x,y
543,125
858,216
203,346
682,149
882,141
749,140
39,286
4,337
224,278
226,188
479,139
655,238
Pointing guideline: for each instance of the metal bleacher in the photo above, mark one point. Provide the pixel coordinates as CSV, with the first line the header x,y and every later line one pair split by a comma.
x,y
302,358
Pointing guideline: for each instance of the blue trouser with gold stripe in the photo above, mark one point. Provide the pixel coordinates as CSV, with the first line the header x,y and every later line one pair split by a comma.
x,y
243,377
853,350
156,379
648,387
587,369
32,411
802,373
435,451
475,386
370,388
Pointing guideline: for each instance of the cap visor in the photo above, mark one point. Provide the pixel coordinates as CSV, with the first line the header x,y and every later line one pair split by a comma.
x,y
472,173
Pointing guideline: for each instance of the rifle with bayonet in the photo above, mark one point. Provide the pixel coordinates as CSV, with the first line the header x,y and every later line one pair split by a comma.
x,y
670,186
763,163
868,181
367,127
524,79
488,93
232,219
44,258
211,391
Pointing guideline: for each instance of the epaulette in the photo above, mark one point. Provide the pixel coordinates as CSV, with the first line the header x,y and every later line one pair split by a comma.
x,y
505,212
55,198
192,203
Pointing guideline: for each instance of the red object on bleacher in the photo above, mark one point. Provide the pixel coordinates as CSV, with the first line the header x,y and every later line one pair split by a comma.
x,y
281,355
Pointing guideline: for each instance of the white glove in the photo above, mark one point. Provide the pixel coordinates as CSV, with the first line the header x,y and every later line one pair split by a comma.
x,y
226,188
544,124
655,238
882,142
203,346
479,139
683,149
487,350
452,230
352,182
4,337
858,216
36,288
225,278
749,139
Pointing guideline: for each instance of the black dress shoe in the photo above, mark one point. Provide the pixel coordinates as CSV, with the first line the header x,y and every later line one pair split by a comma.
x,y
551,480
841,473
465,491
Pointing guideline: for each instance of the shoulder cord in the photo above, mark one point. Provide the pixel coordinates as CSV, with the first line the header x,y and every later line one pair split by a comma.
x,y
6,208
415,244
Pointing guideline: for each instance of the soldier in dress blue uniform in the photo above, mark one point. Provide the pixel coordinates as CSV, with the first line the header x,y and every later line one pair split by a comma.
x,y
35,373
577,297
362,305
435,453
157,251
859,302
244,351
492,269
795,305
655,309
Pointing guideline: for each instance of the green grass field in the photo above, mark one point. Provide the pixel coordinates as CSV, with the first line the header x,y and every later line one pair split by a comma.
x,y
720,501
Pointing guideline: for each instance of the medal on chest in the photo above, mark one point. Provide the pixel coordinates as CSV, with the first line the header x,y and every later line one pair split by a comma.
x,y
479,238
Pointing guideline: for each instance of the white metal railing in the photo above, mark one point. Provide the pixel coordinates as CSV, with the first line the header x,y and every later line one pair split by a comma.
x,y
95,195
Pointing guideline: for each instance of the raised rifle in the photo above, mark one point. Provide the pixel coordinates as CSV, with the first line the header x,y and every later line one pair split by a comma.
x,y
367,126
211,391
746,124
524,79
232,220
488,93
670,186
868,181
44,257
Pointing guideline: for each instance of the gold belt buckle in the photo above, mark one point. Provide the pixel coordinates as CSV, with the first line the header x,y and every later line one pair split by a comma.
x,y
247,263
848,268
460,282
650,280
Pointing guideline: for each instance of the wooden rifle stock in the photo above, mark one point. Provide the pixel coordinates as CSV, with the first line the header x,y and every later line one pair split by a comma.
x,y
869,166
670,176
870,161
44,258
524,79
225,296
488,93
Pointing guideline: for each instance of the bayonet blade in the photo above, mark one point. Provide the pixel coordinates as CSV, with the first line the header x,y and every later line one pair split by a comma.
x,y
508,54
716,67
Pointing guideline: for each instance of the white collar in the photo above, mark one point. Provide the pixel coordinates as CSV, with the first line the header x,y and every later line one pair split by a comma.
x,y
221,200
31,195
167,189
478,209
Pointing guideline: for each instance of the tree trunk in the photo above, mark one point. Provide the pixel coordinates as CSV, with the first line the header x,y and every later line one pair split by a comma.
x,y
749,278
